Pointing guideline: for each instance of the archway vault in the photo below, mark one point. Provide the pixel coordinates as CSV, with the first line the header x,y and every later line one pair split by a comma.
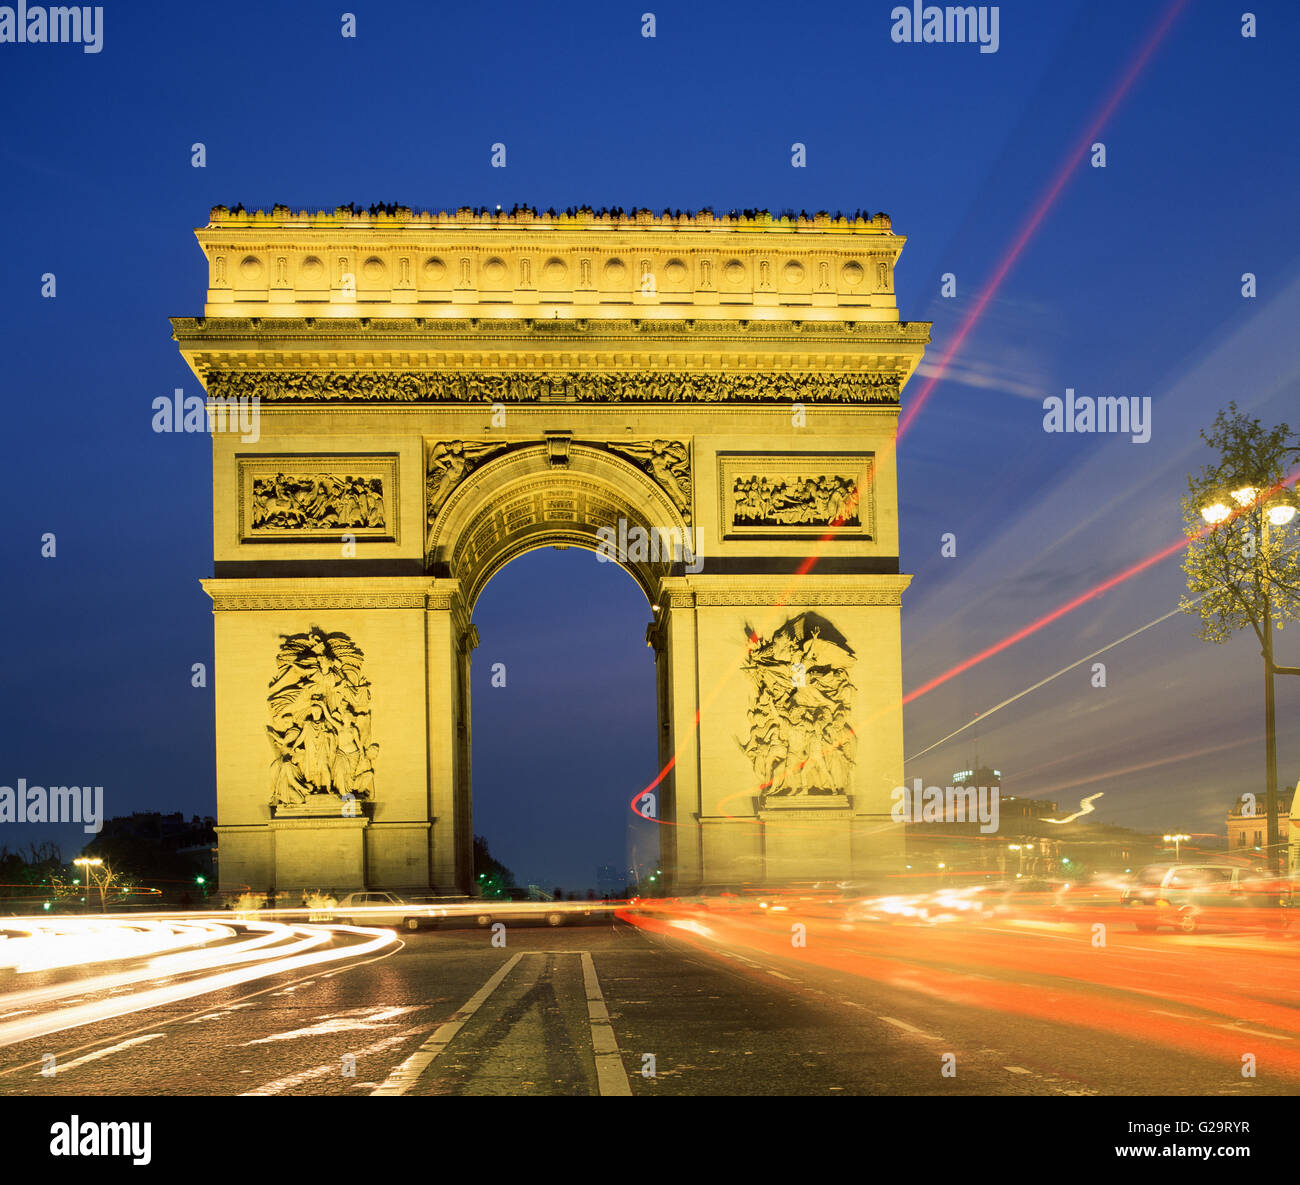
x,y
403,402
565,493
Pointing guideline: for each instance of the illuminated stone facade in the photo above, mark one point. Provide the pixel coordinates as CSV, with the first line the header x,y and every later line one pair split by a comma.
x,y
440,393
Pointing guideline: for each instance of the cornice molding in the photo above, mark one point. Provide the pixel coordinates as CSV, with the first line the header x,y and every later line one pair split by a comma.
x,y
432,330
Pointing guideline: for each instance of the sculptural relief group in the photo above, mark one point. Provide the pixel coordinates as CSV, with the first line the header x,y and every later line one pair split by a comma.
x,y
801,740
320,722
821,501
316,500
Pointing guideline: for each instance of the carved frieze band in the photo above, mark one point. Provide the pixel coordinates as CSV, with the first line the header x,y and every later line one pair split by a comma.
x,y
377,386
235,602
319,496
796,494
678,599
866,596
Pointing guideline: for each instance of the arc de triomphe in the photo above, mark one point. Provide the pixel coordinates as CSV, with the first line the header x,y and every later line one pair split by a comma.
x,y
711,401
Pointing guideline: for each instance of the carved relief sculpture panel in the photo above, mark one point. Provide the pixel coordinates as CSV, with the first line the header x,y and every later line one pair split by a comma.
x,y
319,703
768,495
801,741
317,497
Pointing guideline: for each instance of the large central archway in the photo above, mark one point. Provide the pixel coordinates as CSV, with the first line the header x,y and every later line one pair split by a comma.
x,y
564,722
711,402
512,500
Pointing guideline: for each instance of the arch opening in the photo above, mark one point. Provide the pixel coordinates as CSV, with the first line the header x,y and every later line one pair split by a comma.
x,y
524,499
563,690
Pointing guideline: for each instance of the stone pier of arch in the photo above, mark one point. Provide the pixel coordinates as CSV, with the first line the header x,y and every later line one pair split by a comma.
x,y
437,394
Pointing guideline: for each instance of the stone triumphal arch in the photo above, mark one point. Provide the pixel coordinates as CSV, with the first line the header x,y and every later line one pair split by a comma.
x,y
711,400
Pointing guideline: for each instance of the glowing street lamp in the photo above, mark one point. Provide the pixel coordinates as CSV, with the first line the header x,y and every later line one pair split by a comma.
x,y
1177,841
1273,508
89,863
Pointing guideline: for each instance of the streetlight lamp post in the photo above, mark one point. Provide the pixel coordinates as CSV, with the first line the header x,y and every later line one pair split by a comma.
x,y
1177,840
86,863
1266,508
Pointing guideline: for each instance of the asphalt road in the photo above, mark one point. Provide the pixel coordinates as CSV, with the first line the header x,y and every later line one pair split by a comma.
x,y
711,1003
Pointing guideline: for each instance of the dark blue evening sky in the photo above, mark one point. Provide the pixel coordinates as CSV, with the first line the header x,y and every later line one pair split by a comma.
x,y
1130,286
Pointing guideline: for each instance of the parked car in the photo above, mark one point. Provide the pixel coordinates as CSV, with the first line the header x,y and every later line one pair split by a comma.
x,y
1189,896
379,909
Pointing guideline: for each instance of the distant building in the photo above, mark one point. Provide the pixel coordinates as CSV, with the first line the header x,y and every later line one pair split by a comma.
x,y
1248,827
1026,844
171,832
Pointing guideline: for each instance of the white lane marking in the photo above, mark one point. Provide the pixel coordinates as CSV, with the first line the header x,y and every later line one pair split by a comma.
x,y
94,1057
407,1074
1017,1070
20,1012
360,1018
1237,1027
335,1067
218,1015
611,1077
902,1024
780,975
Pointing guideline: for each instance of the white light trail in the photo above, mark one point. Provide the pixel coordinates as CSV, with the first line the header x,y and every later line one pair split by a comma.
x,y
282,949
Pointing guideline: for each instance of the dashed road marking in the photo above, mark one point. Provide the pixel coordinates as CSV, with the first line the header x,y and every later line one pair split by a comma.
x,y
280,1085
99,1053
1237,1027
611,1077
902,1024
408,1073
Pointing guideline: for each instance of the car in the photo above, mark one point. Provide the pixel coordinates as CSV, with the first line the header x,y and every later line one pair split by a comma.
x,y
1189,896
520,905
379,909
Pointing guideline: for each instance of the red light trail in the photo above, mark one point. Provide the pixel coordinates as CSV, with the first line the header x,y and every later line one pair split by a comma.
x,y
1039,212
1027,230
